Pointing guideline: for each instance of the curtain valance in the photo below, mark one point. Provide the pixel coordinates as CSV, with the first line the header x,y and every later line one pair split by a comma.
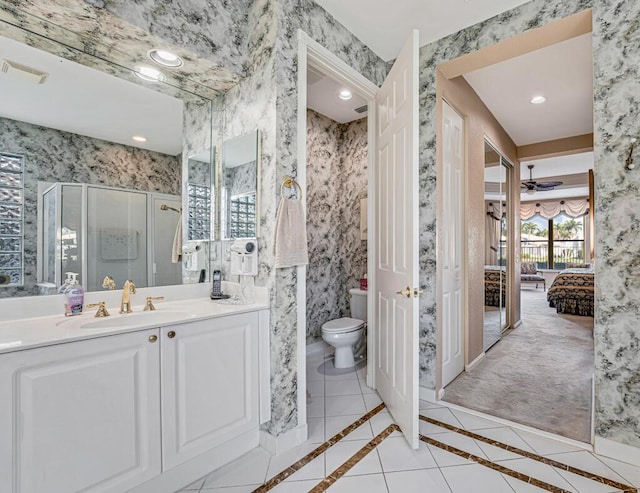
x,y
550,209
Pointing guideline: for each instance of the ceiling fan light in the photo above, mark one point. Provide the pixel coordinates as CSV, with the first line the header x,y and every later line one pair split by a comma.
x,y
530,191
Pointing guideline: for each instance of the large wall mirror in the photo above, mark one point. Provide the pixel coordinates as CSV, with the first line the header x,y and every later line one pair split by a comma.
x,y
496,275
239,191
100,174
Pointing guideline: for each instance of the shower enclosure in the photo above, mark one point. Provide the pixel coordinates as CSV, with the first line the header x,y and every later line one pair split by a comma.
x,y
97,231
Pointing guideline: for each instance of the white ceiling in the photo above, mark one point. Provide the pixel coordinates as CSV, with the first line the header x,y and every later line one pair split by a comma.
x,y
322,97
562,72
385,26
85,101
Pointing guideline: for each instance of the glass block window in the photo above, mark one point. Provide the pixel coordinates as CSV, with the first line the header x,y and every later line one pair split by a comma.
x,y
199,212
11,220
242,216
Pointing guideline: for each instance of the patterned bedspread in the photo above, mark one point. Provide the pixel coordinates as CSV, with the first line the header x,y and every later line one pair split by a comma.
x,y
572,292
494,285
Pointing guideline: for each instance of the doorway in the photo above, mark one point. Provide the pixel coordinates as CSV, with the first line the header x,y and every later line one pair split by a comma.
x,y
505,303
391,232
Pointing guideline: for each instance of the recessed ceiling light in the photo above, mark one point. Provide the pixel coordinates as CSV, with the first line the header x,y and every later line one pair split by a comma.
x,y
149,74
345,94
165,58
139,138
538,100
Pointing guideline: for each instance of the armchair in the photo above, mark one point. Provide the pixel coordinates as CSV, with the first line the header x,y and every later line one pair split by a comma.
x,y
529,273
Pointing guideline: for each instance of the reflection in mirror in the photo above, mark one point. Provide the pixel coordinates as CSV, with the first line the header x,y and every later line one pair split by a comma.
x,y
199,191
495,249
91,175
240,158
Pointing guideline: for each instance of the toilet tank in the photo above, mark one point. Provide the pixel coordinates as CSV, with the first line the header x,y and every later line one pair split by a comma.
x,y
358,304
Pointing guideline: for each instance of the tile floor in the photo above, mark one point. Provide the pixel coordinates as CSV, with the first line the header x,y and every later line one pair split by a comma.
x,y
337,401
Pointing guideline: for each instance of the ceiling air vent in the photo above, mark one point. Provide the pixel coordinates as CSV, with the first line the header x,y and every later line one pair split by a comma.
x,y
361,109
19,71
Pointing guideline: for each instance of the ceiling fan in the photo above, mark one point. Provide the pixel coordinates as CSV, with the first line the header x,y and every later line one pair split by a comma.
x,y
533,186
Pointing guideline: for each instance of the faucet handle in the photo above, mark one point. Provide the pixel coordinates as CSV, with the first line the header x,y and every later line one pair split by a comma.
x,y
102,309
109,283
149,306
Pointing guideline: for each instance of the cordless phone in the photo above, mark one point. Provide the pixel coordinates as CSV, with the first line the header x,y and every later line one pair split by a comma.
x,y
216,291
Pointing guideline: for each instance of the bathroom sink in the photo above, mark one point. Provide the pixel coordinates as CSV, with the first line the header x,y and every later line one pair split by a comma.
x,y
158,317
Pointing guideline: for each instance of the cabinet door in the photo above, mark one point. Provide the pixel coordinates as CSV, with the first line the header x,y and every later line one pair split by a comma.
x,y
209,385
81,416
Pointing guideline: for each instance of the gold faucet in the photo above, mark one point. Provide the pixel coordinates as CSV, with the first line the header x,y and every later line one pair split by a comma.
x,y
102,309
149,305
108,283
127,290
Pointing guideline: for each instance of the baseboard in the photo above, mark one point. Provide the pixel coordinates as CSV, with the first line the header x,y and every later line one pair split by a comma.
x,y
284,442
316,347
428,395
616,450
517,324
473,364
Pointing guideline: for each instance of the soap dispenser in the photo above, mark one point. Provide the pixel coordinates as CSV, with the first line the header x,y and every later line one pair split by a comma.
x,y
73,297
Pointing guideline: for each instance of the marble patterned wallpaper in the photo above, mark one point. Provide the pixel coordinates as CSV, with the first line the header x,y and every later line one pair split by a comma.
x,y
56,156
617,224
336,180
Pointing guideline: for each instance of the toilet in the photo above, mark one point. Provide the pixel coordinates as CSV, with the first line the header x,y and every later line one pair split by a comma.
x,y
344,333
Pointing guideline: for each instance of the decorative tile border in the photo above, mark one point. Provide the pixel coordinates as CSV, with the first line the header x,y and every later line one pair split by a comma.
x,y
295,467
493,465
529,455
354,459
334,476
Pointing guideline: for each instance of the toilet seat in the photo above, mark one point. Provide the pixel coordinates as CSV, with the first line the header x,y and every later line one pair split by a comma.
x,y
342,325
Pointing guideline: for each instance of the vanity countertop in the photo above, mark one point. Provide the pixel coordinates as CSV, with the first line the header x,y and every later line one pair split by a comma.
x,y
29,333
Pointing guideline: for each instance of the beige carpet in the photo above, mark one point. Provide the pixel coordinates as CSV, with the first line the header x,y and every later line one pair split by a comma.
x,y
538,374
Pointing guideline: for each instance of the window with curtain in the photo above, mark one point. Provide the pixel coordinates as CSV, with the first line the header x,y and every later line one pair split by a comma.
x,y
11,220
552,243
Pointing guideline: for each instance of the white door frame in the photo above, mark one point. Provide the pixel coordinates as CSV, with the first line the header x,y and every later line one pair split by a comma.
x,y
311,51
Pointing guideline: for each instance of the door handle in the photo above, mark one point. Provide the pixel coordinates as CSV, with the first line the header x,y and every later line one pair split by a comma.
x,y
405,292
171,334
153,338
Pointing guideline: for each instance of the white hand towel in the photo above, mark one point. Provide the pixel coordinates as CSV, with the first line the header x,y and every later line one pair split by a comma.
x,y
291,234
176,250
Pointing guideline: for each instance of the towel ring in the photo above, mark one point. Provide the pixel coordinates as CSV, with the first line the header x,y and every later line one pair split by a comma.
x,y
290,183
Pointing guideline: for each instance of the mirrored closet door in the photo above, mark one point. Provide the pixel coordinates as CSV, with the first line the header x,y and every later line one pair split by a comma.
x,y
496,275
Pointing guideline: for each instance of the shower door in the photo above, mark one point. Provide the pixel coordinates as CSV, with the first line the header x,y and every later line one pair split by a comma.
x,y
116,237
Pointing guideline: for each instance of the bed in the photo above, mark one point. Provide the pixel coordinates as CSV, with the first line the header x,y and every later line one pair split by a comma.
x,y
572,292
494,285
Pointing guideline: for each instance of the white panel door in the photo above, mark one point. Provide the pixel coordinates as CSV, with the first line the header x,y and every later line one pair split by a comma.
x,y
209,384
396,263
82,416
452,260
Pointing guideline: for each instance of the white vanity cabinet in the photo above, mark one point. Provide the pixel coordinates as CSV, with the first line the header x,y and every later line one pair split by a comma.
x,y
81,416
209,385
146,411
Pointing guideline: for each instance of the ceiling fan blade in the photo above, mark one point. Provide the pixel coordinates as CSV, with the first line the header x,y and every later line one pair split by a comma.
x,y
548,184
